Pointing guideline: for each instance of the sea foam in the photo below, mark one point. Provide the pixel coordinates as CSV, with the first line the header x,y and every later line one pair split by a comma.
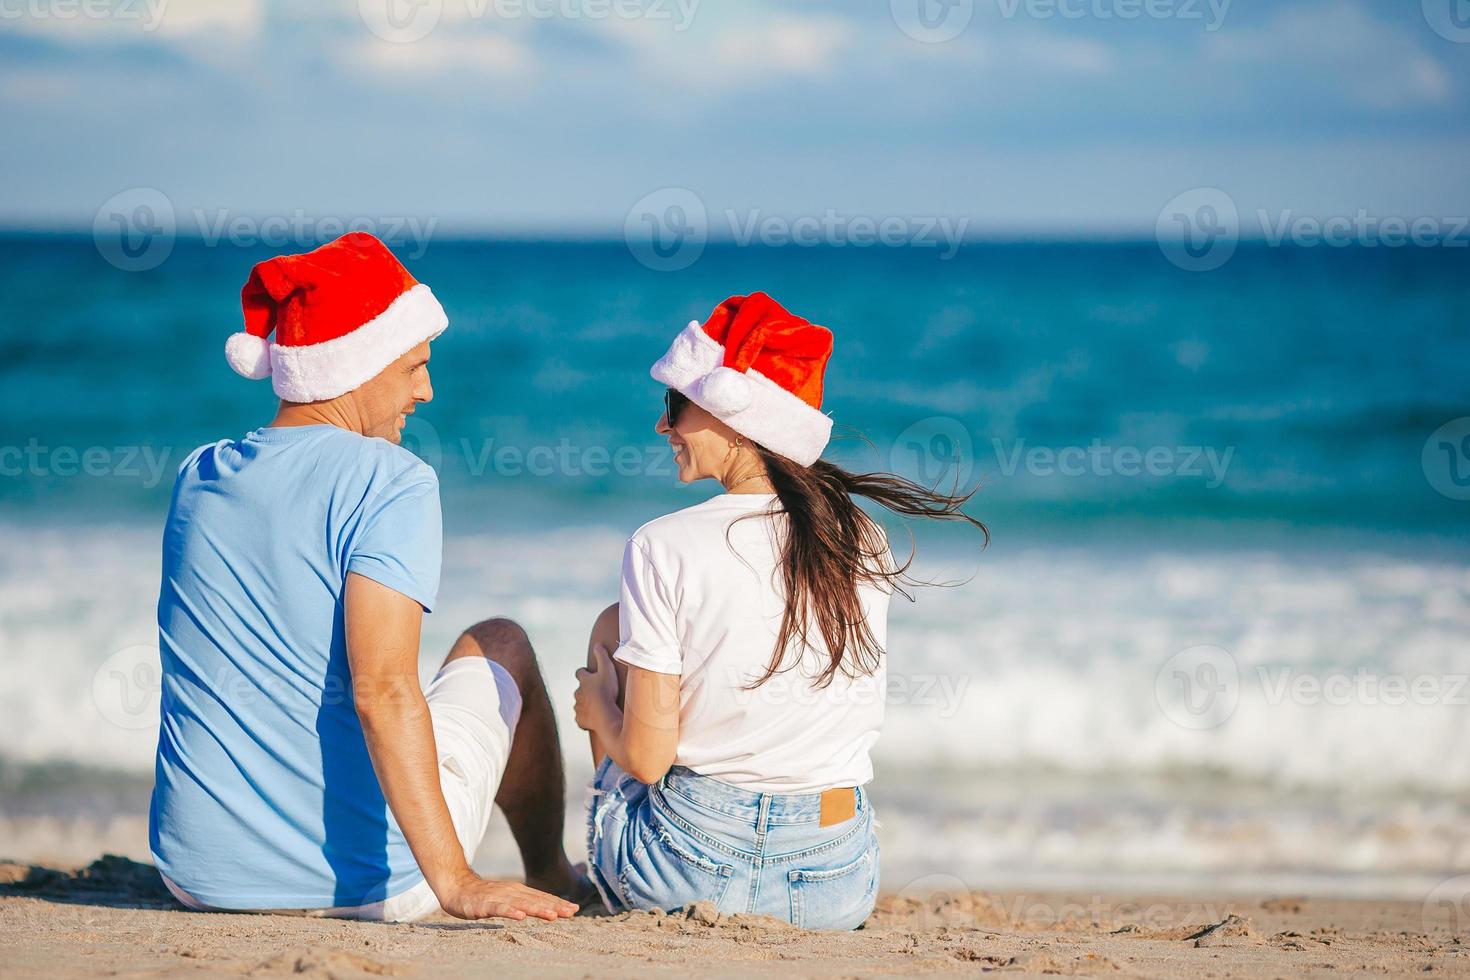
x,y
1038,733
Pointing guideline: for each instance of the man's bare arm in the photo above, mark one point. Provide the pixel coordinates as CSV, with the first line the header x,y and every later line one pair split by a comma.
x,y
383,628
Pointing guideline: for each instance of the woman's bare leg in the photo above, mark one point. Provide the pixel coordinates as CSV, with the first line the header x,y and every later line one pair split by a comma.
x,y
605,635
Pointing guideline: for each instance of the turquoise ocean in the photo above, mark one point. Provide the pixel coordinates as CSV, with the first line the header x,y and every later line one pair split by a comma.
x,y
1220,639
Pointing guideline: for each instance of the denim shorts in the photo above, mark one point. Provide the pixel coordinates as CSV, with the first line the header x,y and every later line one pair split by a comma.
x,y
691,838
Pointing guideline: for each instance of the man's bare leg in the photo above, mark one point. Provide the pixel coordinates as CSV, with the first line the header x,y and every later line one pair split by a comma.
x,y
605,634
533,789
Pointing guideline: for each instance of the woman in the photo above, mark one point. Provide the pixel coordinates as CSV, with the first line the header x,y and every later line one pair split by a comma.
x,y
734,692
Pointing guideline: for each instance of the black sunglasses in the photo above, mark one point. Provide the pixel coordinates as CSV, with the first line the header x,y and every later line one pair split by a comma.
x,y
674,402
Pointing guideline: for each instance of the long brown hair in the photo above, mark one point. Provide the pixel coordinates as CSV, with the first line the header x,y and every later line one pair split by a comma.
x,y
832,546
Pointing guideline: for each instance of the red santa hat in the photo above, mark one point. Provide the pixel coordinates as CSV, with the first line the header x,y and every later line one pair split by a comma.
x,y
758,368
340,313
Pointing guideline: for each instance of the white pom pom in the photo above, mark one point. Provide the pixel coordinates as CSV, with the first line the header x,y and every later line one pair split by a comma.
x,y
249,355
726,391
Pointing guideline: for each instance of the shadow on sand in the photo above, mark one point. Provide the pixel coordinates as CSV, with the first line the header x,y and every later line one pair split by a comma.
x,y
113,881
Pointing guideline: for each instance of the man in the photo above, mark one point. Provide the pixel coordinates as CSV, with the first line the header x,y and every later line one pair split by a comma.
x,y
300,765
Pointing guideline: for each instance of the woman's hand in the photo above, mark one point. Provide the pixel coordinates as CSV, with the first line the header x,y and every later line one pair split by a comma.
x,y
642,737
597,694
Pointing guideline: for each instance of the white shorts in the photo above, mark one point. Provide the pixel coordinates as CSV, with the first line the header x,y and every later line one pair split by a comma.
x,y
474,706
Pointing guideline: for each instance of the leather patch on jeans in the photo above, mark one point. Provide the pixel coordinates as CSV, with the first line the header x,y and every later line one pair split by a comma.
x,y
838,805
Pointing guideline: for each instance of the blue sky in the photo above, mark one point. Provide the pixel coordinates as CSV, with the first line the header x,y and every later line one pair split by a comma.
x,y
543,117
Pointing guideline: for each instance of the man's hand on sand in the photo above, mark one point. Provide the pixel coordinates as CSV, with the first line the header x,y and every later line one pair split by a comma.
x,y
473,897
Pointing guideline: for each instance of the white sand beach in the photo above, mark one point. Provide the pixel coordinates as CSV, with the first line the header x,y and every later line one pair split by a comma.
x,y
114,919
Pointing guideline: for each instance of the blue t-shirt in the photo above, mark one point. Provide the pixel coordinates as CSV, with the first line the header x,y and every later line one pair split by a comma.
x,y
265,794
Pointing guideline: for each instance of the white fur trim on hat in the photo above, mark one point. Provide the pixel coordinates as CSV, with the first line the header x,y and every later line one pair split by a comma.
x,y
771,415
334,367
249,355
727,391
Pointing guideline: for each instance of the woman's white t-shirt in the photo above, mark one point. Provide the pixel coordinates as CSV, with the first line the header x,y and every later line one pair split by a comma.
x,y
702,597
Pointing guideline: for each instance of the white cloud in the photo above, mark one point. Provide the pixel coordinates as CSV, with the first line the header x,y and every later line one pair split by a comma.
x,y
111,21
239,19
1010,48
442,53
788,44
1378,65
737,52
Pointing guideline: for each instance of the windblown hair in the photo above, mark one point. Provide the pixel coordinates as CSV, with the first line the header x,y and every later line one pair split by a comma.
x,y
832,546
